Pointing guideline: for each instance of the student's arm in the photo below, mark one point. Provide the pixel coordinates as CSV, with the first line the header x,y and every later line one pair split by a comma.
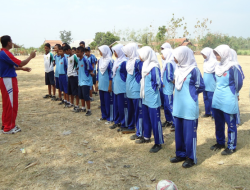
x,y
88,68
238,78
26,61
110,76
138,71
52,60
156,78
170,75
65,60
198,80
23,69
123,71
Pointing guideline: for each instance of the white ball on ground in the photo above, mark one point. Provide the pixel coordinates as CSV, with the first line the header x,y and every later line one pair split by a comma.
x,y
166,185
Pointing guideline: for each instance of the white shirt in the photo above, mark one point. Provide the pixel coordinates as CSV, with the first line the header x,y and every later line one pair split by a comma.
x,y
71,62
48,62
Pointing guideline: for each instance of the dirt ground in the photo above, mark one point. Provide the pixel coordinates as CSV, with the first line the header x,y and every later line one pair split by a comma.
x,y
95,157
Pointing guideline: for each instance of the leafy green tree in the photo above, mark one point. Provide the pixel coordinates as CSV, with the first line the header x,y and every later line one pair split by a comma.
x,y
65,36
102,38
41,48
161,33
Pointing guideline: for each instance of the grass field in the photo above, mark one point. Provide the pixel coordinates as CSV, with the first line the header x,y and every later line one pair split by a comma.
x,y
93,156
243,52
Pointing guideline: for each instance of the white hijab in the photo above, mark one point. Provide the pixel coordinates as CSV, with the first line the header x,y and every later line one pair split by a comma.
x,y
105,59
130,50
234,58
210,62
121,57
166,46
226,60
150,61
187,63
169,58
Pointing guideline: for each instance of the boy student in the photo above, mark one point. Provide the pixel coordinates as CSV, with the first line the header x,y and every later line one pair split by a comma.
x,y
72,79
62,71
85,73
49,71
93,61
82,44
8,84
73,49
56,63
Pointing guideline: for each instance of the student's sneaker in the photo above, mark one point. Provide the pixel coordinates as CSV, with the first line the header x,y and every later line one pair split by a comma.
x,y
217,147
108,122
134,137
115,125
88,113
16,129
177,159
91,99
206,115
120,129
228,151
80,110
47,96
53,98
58,99
66,104
155,148
172,128
167,124
101,119
188,163
62,102
96,93
1,131
75,108
142,140
127,131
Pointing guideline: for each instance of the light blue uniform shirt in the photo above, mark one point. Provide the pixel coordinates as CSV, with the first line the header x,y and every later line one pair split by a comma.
x,y
209,81
84,77
103,79
57,58
227,87
152,85
120,79
63,65
133,85
168,77
186,104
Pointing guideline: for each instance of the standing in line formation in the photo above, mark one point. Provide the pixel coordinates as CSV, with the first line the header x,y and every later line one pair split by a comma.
x,y
134,87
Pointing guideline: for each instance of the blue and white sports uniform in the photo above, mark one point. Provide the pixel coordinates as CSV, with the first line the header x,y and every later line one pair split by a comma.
x,y
168,77
210,85
57,58
120,97
186,113
134,101
62,71
106,98
225,105
151,106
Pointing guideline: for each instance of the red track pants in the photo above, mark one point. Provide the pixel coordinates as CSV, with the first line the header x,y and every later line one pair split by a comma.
x,y
9,90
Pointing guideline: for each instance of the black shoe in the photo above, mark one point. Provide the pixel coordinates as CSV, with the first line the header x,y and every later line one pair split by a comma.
x,y
47,96
206,115
62,102
142,140
188,163
66,104
88,113
127,131
120,129
155,148
114,126
102,119
164,124
134,137
53,98
228,151
172,128
177,159
77,110
217,147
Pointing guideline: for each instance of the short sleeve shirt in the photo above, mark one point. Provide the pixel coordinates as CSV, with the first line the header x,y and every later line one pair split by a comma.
x,y
48,62
8,63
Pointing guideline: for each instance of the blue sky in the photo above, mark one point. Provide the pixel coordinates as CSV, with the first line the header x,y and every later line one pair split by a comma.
x,y
30,22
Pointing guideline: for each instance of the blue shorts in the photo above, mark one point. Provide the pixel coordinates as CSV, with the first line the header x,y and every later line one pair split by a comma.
x,y
49,78
94,78
57,83
73,85
83,92
63,83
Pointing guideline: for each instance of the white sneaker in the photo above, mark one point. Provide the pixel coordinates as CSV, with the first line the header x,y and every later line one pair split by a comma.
x,y
108,122
16,129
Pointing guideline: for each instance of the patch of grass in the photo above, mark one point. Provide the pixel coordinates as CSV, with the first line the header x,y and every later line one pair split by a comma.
x,y
243,52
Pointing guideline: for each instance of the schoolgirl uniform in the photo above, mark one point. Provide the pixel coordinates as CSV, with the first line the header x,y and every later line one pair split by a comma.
x,y
167,76
188,84
209,80
104,76
133,67
229,81
119,84
150,94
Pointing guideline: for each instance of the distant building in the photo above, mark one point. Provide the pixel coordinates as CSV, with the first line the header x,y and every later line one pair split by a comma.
x,y
76,43
180,42
53,43
124,43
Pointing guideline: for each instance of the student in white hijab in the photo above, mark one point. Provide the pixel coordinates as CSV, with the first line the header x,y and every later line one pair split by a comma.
x,y
119,80
209,65
167,76
134,102
151,102
188,85
104,83
229,81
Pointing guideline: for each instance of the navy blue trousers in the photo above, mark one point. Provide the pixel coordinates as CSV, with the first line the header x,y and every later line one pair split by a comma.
x,y
168,108
106,99
186,138
152,120
161,96
208,97
221,118
121,109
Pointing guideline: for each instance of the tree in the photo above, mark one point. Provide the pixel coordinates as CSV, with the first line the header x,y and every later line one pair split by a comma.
x,y
41,48
201,28
161,33
65,36
102,38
